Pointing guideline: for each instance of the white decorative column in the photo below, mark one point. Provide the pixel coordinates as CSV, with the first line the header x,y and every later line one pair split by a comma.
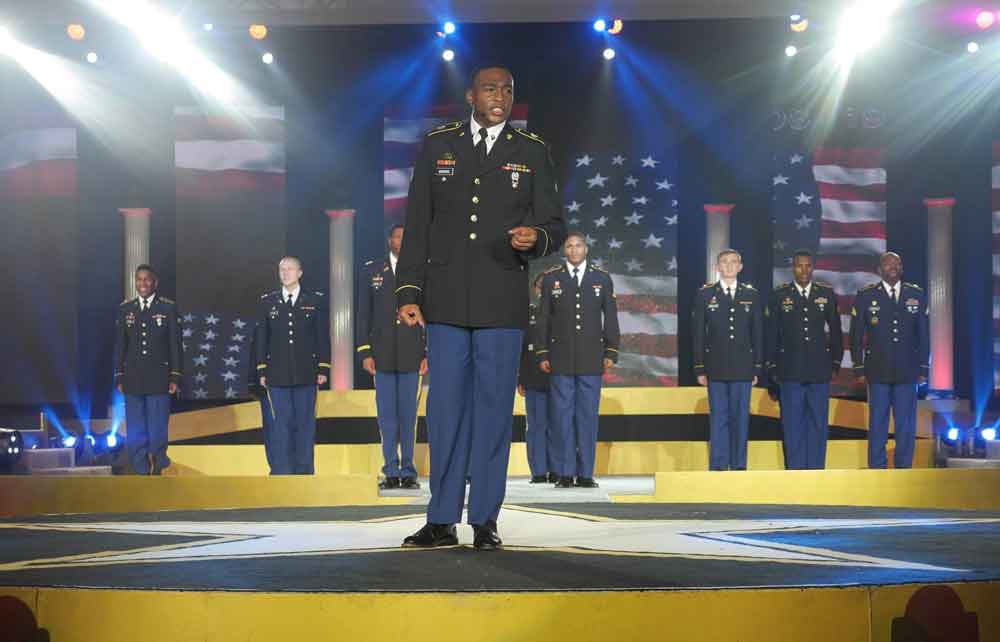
x,y
341,298
716,235
940,295
136,244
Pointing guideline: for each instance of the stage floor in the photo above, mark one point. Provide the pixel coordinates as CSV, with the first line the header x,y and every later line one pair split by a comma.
x,y
597,546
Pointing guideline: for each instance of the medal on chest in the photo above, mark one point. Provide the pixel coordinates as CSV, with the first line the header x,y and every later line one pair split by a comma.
x,y
556,289
130,319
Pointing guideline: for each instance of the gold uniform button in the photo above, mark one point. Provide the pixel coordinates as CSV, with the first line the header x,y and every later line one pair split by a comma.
x,y
397,321
473,218
731,337
144,352
577,305
290,323
475,199
291,341
289,314
476,181
577,327
578,295
472,237
732,310
578,316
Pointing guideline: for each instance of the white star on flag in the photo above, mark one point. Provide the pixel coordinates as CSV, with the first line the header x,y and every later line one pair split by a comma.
x,y
780,179
652,241
205,347
596,181
239,324
803,222
614,243
634,219
574,207
664,184
795,159
608,201
209,335
200,377
574,221
601,222
590,240
187,332
229,375
633,265
672,264
238,337
231,362
233,348
618,160
671,220
200,393
584,160
631,181
639,200
188,318
200,360
780,245
230,393
649,162
211,319
803,198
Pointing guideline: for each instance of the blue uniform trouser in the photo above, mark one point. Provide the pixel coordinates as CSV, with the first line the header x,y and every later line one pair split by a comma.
x,y
470,407
901,398
267,427
805,409
538,435
729,423
294,435
574,404
396,401
147,417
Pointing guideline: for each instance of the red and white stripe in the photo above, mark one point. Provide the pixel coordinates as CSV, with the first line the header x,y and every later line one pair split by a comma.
x,y
647,319
38,163
996,265
852,188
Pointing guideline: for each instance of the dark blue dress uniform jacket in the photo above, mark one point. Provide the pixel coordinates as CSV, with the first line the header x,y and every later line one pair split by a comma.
x,y
728,336
530,375
577,325
293,345
395,347
147,351
890,341
805,342
457,262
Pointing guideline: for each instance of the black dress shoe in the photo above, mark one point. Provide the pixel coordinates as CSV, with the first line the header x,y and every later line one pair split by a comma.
x,y
431,536
486,538
553,478
539,479
409,483
565,482
586,482
389,483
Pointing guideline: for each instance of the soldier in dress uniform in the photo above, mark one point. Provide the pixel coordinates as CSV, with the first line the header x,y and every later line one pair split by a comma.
x,y
578,342
148,360
293,358
394,354
728,343
259,392
890,348
805,346
533,385
482,204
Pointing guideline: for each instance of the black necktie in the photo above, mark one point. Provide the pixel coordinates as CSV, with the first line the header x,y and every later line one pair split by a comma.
x,y
482,145
892,293
142,305
575,272
289,300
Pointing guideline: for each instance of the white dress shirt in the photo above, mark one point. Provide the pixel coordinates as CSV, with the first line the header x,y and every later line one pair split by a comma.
x,y
295,294
580,269
491,133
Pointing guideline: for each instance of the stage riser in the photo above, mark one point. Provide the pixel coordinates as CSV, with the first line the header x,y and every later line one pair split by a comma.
x,y
857,614
613,458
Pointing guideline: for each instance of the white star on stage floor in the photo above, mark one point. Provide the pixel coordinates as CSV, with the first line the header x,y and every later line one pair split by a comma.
x,y
523,529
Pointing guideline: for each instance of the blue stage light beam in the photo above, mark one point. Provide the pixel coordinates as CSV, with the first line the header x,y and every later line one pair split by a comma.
x,y
448,27
952,434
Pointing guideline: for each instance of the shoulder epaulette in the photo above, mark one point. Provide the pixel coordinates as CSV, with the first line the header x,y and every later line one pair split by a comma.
x,y
823,284
748,286
914,286
599,268
784,286
554,268
710,284
870,286
267,294
318,293
530,135
447,127
168,301
127,301
369,262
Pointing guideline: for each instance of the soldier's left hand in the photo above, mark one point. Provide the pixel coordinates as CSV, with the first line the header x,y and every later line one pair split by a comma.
x,y
423,366
172,388
754,381
921,380
523,238
608,364
320,379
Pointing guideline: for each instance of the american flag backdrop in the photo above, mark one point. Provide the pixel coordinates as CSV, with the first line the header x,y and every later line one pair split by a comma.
x,y
996,265
831,202
625,202
230,234
402,135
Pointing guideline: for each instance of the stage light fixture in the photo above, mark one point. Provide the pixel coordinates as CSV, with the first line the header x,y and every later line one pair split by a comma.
x,y
862,26
972,47
988,434
267,58
258,32
609,53
985,19
952,434
791,50
69,441
92,57
448,55
11,447
616,27
600,25
111,440
798,24
76,31
448,28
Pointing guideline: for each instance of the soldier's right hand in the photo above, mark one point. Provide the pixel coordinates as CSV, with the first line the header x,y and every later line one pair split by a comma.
x,y
410,315
702,380
369,365
546,367
263,382
520,390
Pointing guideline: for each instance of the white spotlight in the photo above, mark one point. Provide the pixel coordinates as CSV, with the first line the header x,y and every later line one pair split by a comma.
x,y
6,41
791,50
267,58
208,26
609,53
448,55
862,26
972,47
92,57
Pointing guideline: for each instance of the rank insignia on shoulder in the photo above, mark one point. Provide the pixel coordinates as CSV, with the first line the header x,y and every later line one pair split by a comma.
x,y
870,286
447,127
914,286
529,135
166,300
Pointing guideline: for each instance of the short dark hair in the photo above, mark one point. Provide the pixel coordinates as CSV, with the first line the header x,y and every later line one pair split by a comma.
x,y
474,76
802,252
728,250
146,267
397,226
577,234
